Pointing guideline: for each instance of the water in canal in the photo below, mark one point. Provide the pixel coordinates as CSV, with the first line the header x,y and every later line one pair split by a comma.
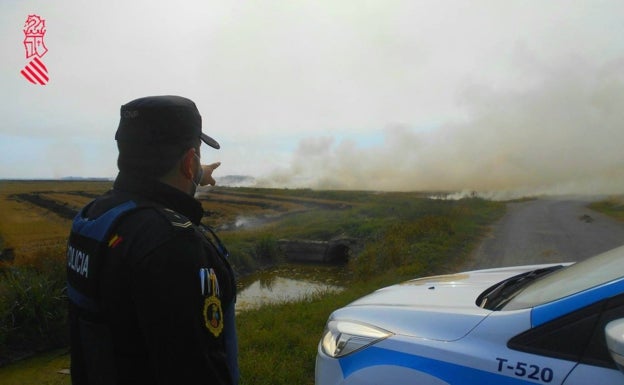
x,y
286,283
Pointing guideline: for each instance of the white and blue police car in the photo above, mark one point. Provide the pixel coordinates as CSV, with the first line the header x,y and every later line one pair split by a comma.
x,y
542,324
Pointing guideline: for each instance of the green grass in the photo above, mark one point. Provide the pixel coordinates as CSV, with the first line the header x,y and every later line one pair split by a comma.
x,y
278,342
613,207
402,236
41,370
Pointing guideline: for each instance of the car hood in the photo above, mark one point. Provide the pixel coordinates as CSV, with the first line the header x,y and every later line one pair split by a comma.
x,y
439,307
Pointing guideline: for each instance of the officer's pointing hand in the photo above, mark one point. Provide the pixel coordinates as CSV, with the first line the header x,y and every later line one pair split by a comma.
x,y
207,178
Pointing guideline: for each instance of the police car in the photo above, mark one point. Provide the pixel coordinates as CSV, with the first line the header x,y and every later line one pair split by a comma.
x,y
542,324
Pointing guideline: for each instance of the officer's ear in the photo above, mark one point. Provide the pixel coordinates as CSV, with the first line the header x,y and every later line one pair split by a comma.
x,y
187,162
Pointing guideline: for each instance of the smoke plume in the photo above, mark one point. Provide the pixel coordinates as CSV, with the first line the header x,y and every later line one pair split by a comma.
x,y
560,133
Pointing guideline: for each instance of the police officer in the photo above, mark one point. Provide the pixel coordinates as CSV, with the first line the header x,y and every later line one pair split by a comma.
x,y
151,290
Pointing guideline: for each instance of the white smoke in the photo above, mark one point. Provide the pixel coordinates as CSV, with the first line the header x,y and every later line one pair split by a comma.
x,y
561,133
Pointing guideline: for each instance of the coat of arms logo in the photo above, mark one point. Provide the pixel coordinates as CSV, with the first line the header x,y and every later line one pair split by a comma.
x,y
34,31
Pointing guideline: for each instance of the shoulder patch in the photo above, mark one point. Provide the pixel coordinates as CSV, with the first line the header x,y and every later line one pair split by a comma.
x,y
213,312
176,219
114,241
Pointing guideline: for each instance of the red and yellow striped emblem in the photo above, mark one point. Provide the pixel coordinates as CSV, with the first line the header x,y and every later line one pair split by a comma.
x,y
114,241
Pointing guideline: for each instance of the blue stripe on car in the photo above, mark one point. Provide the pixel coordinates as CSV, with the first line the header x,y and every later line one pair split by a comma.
x,y
445,371
549,311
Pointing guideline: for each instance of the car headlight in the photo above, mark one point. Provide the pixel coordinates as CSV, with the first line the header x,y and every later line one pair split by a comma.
x,y
345,337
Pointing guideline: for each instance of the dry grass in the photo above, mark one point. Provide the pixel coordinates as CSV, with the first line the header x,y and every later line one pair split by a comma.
x,y
27,228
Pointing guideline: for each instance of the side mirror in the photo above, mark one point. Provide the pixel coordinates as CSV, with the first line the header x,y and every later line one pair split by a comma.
x,y
614,334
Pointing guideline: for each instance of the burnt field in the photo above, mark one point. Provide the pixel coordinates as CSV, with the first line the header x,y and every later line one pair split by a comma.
x,y
219,203
37,214
62,209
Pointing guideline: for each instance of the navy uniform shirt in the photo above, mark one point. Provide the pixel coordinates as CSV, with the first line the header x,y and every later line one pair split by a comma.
x,y
164,288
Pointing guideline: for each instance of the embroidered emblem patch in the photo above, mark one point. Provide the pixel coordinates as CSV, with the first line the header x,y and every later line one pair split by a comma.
x,y
213,313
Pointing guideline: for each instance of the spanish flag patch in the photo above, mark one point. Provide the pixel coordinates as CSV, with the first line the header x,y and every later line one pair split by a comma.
x,y
114,241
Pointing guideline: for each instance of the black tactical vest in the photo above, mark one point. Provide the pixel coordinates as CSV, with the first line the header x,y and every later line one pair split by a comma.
x,y
87,243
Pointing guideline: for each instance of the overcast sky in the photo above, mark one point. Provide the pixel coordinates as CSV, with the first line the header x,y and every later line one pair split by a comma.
x,y
385,95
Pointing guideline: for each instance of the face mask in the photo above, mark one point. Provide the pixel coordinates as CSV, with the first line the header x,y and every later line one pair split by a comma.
x,y
197,179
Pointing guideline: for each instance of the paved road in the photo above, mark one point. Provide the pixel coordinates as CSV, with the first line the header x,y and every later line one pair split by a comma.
x,y
547,230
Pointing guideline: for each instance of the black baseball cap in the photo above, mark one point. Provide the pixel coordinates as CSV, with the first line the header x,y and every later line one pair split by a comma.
x,y
161,121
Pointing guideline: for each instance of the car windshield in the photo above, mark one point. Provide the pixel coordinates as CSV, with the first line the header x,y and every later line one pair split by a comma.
x,y
498,295
573,279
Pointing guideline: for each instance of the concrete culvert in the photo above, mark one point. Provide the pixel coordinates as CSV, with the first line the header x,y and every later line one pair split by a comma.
x,y
338,253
